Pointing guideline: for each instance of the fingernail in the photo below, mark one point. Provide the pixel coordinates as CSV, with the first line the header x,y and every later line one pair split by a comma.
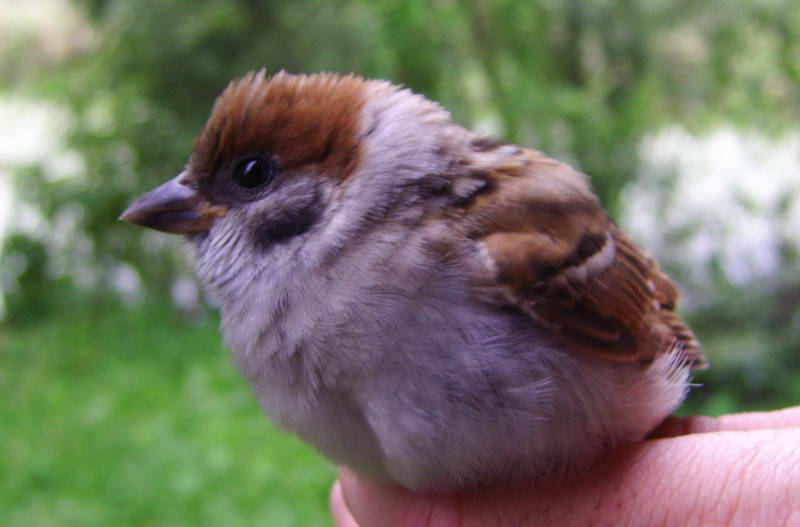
x,y
342,516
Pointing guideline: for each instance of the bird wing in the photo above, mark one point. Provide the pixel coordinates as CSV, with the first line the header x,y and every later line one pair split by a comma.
x,y
547,244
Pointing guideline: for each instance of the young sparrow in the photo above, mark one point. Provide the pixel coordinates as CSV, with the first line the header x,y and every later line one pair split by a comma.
x,y
421,304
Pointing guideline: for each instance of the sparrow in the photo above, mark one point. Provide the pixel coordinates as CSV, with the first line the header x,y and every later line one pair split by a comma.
x,y
422,304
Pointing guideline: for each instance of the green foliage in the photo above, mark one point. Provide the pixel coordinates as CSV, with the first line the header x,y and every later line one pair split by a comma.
x,y
39,295
751,334
581,80
135,417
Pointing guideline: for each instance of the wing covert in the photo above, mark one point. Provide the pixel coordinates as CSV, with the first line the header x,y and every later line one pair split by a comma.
x,y
556,255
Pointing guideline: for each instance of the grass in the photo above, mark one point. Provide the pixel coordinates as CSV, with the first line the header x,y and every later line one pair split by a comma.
x,y
136,418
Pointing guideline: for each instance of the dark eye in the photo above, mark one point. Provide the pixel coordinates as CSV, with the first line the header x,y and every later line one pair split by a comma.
x,y
253,172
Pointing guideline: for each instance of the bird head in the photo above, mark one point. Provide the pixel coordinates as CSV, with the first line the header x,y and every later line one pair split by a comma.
x,y
280,156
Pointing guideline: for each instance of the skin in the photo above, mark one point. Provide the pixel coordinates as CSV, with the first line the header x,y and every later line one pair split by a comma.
x,y
741,469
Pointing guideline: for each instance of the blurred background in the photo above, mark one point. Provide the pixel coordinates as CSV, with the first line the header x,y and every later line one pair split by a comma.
x,y
118,404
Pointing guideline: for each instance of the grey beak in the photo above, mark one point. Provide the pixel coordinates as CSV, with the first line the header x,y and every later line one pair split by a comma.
x,y
173,207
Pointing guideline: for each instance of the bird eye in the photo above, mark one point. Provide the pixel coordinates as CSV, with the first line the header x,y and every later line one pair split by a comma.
x,y
253,172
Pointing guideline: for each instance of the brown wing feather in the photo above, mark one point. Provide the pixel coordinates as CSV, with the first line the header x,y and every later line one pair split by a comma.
x,y
552,249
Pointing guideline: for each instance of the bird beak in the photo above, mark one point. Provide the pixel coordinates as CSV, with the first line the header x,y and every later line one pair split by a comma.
x,y
173,207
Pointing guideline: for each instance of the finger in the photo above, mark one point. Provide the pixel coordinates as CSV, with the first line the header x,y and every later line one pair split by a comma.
x,y
698,424
376,504
339,511
724,478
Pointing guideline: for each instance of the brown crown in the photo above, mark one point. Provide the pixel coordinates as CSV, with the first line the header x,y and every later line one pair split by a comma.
x,y
299,119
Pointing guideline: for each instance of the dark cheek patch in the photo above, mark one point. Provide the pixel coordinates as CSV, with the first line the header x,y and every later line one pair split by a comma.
x,y
288,224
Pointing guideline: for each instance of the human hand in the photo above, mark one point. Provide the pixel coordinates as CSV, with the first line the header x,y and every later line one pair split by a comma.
x,y
741,469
